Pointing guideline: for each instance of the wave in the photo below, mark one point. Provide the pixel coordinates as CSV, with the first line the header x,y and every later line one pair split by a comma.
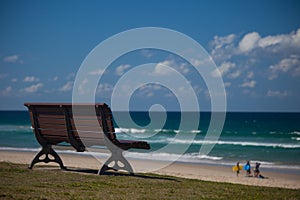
x,y
129,130
189,157
19,149
220,142
295,138
15,128
139,131
295,133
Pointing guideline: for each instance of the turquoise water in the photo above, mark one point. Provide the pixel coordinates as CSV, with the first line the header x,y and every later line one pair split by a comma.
x,y
270,138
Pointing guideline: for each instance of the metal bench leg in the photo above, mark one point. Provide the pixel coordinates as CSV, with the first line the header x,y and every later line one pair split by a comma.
x,y
46,151
118,162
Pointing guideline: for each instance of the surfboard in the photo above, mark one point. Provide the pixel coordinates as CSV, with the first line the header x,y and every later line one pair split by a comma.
x,y
236,168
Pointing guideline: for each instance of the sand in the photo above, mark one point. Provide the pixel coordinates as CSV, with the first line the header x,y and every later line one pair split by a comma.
x,y
216,173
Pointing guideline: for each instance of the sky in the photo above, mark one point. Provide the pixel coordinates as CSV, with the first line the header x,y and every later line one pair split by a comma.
x,y
254,44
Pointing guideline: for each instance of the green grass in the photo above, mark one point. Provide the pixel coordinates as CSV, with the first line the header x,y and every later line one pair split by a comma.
x,y
18,182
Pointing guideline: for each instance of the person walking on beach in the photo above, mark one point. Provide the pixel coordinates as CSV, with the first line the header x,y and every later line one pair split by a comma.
x,y
238,168
257,171
248,169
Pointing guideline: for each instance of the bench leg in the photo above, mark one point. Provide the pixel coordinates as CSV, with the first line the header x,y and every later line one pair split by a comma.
x,y
46,151
118,162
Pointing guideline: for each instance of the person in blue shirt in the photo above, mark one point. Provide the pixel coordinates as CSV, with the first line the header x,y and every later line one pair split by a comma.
x,y
248,169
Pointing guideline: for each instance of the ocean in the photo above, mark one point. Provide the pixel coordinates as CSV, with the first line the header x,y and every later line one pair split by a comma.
x,y
273,139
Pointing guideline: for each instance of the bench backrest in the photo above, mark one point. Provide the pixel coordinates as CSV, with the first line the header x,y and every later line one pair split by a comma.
x,y
56,123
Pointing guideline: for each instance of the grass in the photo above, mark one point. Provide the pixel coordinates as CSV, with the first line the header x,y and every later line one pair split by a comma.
x,y
18,182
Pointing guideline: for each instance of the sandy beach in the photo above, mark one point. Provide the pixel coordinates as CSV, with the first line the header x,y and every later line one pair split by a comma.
x,y
216,173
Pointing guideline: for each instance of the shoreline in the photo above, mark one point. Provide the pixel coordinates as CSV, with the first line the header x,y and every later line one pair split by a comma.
x,y
103,153
207,172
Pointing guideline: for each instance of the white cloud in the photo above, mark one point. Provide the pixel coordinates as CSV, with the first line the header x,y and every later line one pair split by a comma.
x,y
13,59
250,74
285,65
223,69
249,42
271,40
67,87
6,91
274,55
55,78
220,42
235,74
289,40
196,62
148,87
162,67
150,90
31,79
147,53
249,84
105,87
97,72
14,80
150,94
273,43
82,89
227,84
277,93
121,69
183,68
224,48
33,88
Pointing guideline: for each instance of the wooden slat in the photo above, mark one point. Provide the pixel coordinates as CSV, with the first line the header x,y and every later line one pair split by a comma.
x,y
51,116
43,121
89,129
50,126
87,117
85,123
77,134
49,110
88,134
53,132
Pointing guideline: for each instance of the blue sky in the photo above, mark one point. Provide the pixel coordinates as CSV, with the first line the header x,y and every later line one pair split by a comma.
x,y
255,44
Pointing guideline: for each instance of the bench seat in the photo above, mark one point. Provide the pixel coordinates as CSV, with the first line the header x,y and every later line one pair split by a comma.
x,y
80,125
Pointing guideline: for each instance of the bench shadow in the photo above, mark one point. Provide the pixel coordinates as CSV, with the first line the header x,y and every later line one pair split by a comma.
x,y
113,173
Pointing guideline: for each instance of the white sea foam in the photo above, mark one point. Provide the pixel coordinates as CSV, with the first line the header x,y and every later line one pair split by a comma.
x,y
15,128
295,138
193,157
129,130
19,149
139,131
295,133
196,131
220,142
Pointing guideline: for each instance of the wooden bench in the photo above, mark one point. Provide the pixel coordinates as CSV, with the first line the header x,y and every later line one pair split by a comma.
x,y
82,126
